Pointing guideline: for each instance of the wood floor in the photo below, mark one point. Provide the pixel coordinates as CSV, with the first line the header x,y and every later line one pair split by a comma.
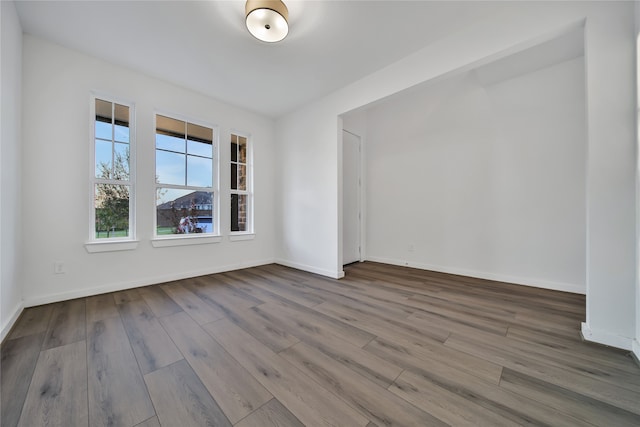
x,y
273,346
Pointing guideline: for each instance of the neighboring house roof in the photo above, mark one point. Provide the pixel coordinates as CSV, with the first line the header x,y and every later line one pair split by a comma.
x,y
184,202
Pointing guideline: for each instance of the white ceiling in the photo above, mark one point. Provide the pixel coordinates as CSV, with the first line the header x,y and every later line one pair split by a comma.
x,y
204,46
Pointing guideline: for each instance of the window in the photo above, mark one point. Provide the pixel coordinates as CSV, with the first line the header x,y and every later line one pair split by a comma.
x,y
241,183
185,192
112,171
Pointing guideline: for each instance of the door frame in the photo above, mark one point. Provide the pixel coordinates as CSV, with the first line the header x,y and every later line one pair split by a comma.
x,y
360,197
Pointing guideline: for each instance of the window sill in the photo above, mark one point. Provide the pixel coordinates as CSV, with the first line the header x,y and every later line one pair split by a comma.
x,y
240,237
111,246
163,242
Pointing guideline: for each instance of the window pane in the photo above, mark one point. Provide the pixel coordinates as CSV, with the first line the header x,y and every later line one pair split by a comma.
x,y
169,126
234,150
112,210
121,113
199,172
242,150
171,143
104,110
104,119
242,177
234,176
170,168
239,210
199,133
103,130
203,149
103,159
121,161
121,133
183,211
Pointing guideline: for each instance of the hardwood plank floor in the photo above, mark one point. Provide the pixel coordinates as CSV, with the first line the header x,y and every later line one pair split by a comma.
x,y
158,301
101,307
271,414
117,392
375,403
200,310
19,357
235,390
151,343
58,392
32,321
67,324
311,404
274,346
181,399
151,422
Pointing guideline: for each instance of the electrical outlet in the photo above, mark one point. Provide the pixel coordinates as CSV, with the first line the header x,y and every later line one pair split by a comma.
x,y
59,267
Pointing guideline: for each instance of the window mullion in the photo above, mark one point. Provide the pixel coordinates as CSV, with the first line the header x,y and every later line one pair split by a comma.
x,y
186,155
112,172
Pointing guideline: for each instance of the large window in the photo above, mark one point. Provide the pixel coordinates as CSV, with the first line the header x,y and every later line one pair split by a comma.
x,y
185,172
241,191
112,183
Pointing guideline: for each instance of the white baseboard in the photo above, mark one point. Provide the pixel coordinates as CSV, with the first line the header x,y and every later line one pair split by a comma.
x,y
311,269
606,338
12,320
537,283
113,287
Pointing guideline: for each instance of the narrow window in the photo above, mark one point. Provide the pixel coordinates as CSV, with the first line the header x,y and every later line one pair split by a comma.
x,y
185,170
241,183
112,177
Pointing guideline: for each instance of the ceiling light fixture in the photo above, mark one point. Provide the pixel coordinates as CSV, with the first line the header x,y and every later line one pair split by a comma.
x,y
267,19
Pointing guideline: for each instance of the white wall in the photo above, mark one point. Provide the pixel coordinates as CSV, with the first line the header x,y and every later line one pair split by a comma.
x,y
483,180
309,149
307,202
611,164
56,203
10,158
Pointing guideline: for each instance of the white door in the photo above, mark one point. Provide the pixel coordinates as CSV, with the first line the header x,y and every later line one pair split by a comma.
x,y
350,198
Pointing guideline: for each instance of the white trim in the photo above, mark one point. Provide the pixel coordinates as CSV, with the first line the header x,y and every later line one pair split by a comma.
x,y
241,236
635,345
12,321
323,272
249,192
120,286
606,338
215,177
517,280
164,242
111,246
635,348
360,197
363,197
131,182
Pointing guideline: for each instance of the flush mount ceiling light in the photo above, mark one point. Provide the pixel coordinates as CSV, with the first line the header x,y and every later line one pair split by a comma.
x,y
267,19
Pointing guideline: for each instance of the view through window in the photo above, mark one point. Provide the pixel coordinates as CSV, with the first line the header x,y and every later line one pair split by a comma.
x,y
112,183
184,178
240,184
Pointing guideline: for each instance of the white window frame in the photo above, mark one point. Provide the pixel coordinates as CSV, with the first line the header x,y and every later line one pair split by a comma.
x,y
189,239
112,243
249,232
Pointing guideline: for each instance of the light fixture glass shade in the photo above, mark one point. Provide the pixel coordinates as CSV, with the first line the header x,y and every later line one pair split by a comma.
x,y
267,19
